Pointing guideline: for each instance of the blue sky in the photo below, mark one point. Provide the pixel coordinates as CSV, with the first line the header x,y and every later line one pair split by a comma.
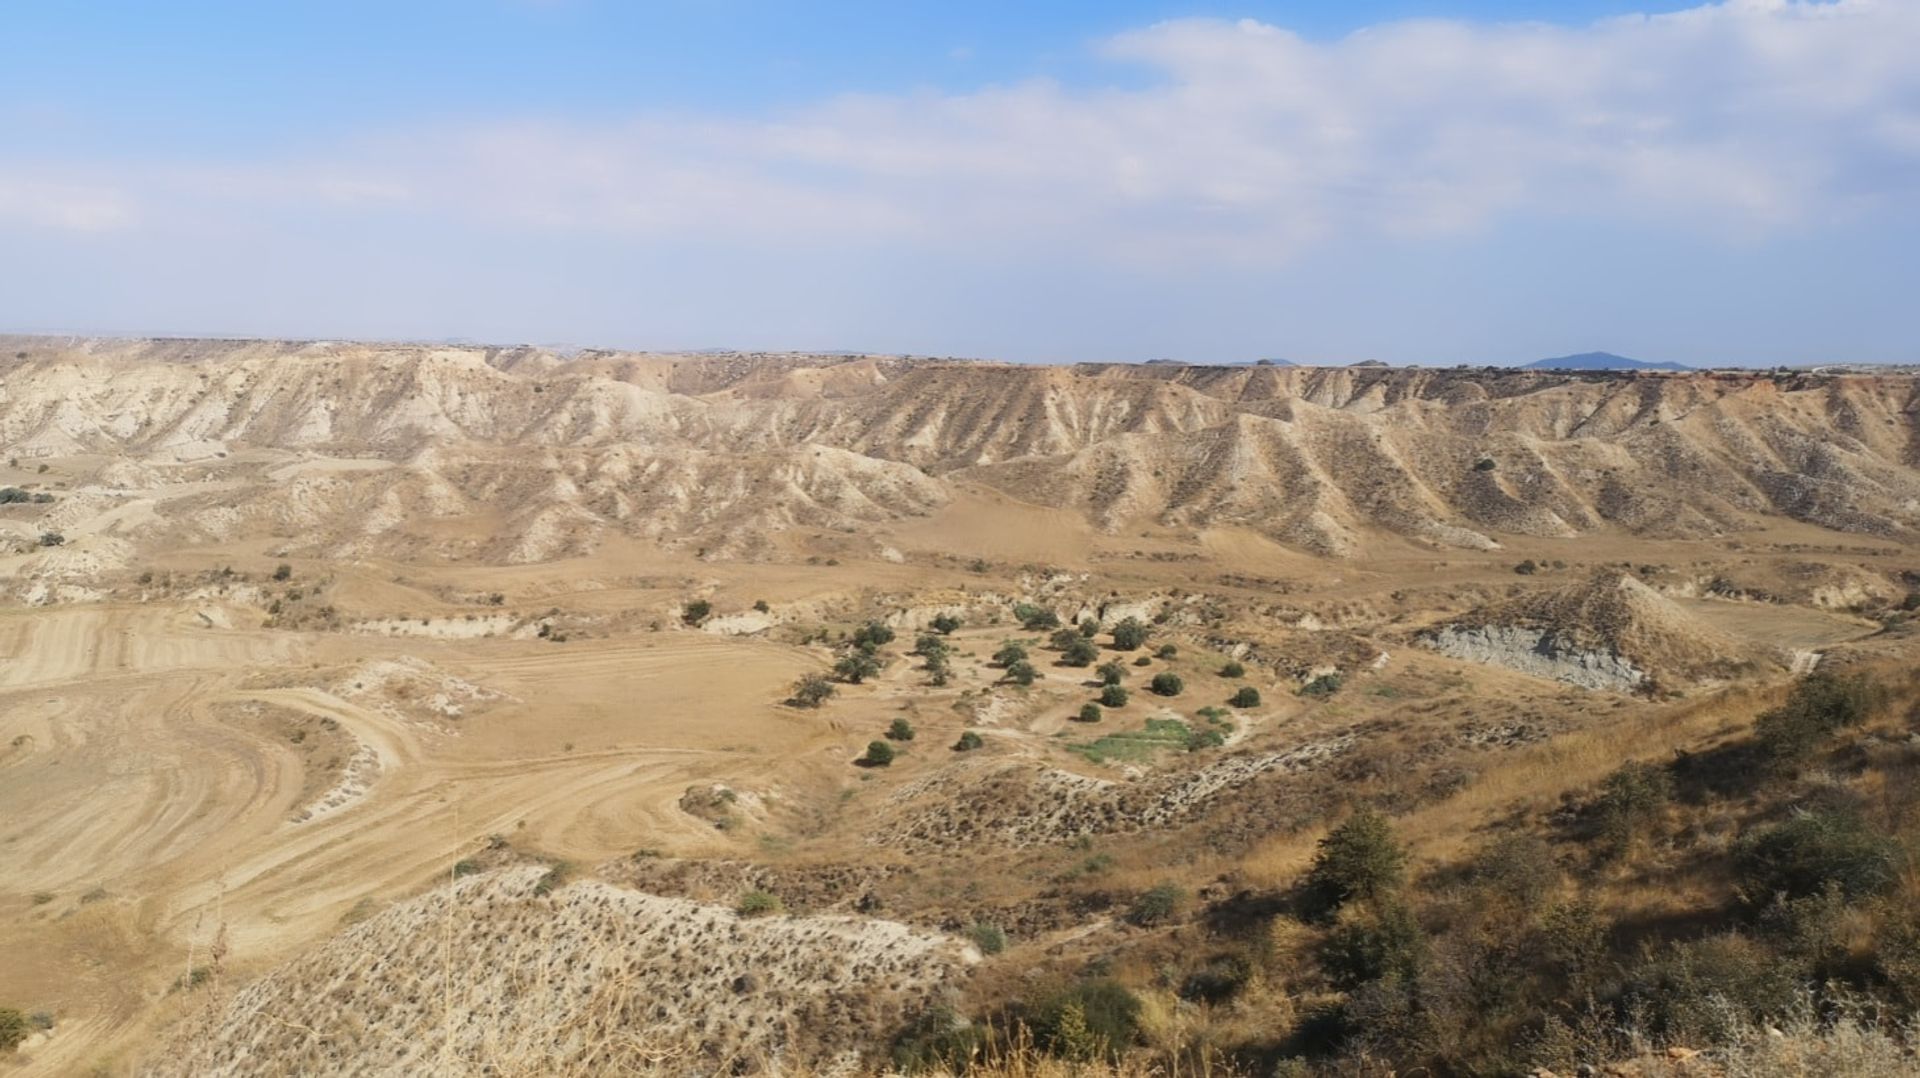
x,y
1414,181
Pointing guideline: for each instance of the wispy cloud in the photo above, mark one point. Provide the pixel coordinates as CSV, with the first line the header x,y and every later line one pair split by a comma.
x,y
61,203
1249,142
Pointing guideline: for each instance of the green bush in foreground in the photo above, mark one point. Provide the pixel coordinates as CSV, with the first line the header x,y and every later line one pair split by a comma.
x,y
1814,850
1360,859
1093,1019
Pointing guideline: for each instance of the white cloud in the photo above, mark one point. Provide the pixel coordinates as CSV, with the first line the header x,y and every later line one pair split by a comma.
x,y
1250,142
62,204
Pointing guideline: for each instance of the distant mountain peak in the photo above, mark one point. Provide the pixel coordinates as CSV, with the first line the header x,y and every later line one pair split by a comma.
x,y
1601,361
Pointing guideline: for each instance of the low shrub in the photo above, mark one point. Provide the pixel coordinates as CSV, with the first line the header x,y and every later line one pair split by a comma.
x,y
1819,705
14,1029
1156,905
989,938
1811,851
757,903
1377,945
939,1041
1093,1019
1322,686
1631,800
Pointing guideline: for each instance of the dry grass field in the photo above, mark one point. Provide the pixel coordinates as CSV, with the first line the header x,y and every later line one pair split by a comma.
x,y
412,710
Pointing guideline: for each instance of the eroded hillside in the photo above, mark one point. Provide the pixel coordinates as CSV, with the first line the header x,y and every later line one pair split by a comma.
x,y
349,448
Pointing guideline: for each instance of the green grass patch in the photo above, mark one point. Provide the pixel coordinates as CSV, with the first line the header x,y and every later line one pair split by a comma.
x,y
1134,746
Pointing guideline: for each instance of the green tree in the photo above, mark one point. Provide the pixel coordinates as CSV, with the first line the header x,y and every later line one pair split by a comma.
x,y
1073,1038
1167,683
929,645
1034,618
900,730
1360,859
856,666
1111,672
872,635
1079,653
696,611
968,742
1010,652
1090,713
939,669
879,754
945,624
1113,696
1233,669
1129,634
1022,673
811,690
1248,696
